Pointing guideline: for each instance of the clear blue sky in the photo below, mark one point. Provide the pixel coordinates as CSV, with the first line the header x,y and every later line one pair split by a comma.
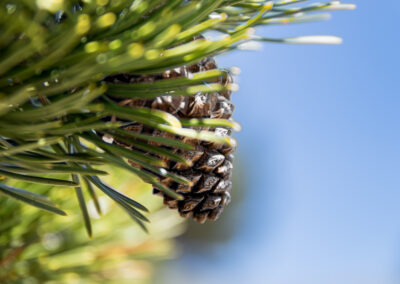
x,y
321,142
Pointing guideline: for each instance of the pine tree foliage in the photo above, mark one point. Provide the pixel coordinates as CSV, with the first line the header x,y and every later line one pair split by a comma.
x,y
54,101
36,247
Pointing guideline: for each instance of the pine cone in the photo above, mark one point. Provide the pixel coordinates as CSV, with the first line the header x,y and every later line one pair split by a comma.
x,y
211,163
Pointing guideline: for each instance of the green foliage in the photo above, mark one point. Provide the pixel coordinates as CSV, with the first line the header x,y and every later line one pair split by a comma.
x,y
38,247
54,104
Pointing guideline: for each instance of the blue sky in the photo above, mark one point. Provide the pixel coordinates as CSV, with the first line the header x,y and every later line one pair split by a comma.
x,y
321,146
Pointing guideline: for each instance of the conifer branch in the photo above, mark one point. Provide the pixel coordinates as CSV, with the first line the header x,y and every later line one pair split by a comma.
x,y
56,108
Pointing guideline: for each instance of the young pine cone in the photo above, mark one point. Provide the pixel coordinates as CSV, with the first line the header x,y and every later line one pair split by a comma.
x,y
211,163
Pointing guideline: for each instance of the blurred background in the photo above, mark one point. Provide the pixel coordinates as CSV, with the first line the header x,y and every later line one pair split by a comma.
x,y
317,170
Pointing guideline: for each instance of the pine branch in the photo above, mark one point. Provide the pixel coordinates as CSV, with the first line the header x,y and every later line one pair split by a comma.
x,y
55,56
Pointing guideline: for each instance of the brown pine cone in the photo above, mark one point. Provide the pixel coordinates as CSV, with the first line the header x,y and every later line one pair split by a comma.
x,y
211,163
